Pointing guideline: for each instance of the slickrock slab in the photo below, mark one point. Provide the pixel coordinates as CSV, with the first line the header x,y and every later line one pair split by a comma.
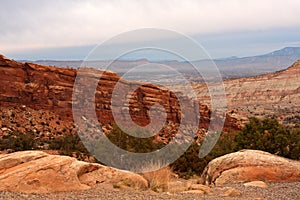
x,y
39,172
250,165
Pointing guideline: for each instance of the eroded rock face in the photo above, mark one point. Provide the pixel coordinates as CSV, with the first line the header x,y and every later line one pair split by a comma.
x,y
51,88
276,94
38,172
250,165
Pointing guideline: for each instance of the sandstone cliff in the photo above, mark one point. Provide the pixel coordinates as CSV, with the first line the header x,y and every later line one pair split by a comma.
x,y
50,89
275,94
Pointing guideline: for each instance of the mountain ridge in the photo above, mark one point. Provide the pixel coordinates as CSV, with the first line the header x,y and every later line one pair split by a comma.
x,y
232,67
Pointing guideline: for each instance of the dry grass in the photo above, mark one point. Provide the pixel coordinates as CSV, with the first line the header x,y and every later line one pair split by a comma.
x,y
158,180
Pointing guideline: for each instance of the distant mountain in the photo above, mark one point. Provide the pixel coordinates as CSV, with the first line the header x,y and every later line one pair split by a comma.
x,y
287,51
231,67
260,64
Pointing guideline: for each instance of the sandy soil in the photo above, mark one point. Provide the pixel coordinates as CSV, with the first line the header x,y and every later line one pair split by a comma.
x,y
274,191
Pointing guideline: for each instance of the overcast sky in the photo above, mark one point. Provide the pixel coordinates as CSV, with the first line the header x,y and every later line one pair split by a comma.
x,y
40,29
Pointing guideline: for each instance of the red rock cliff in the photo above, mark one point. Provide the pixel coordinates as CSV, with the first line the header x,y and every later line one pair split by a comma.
x,y
50,88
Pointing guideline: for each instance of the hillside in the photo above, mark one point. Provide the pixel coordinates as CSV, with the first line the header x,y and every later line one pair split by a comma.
x,y
46,94
37,99
276,94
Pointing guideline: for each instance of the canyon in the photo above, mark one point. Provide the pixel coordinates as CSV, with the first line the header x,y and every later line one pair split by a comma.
x,y
270,95
40,100
49,89
36,88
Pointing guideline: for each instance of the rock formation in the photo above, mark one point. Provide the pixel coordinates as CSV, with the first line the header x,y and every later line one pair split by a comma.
x,y
276,94
38,172
250,165
50,89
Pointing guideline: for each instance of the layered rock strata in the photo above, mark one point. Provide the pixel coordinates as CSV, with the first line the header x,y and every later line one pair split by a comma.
x,y
50,88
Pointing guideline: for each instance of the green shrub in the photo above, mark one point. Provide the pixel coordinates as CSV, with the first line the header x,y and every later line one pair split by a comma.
x,y
190,164
69,144
266,135
294,145
126,142
131,143
17,141
270,136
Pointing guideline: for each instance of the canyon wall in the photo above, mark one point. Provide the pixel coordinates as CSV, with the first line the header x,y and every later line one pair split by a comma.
x,y
270,95
50,88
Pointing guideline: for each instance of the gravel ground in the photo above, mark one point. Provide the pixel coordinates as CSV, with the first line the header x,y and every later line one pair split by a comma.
x,y
273,192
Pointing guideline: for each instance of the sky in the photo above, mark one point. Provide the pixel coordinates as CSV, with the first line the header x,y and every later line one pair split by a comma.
x,y
70,29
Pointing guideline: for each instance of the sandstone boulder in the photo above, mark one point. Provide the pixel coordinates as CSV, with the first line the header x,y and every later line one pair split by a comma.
x,y
39,172
260,184
232,192
204,188
176,186
250,165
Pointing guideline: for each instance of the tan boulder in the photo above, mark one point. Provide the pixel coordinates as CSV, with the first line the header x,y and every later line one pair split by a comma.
x,y
39,172
260,184
231,192
250,165
177,186
204,188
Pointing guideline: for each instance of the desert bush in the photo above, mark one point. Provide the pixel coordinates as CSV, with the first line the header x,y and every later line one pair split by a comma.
x,y
190,164
187,165
295,144
17,141
68,144
266,135
270,136
126,142
158,180
131,143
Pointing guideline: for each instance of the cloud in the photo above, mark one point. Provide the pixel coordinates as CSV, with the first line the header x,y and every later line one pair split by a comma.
x,y
40,23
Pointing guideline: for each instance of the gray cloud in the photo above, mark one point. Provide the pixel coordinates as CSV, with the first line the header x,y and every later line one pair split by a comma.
x,y
39,23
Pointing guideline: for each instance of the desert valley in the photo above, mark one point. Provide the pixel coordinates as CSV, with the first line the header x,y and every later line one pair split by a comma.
x,y
43,157
150,100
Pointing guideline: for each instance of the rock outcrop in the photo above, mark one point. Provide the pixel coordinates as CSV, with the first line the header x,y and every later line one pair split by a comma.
x,y
276,94
50,88
38,172
260,184
250,165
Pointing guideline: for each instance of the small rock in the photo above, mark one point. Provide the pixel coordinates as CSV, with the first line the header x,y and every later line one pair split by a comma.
x,y
231,192
191,182
176,186
204,188
260,184
194,192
